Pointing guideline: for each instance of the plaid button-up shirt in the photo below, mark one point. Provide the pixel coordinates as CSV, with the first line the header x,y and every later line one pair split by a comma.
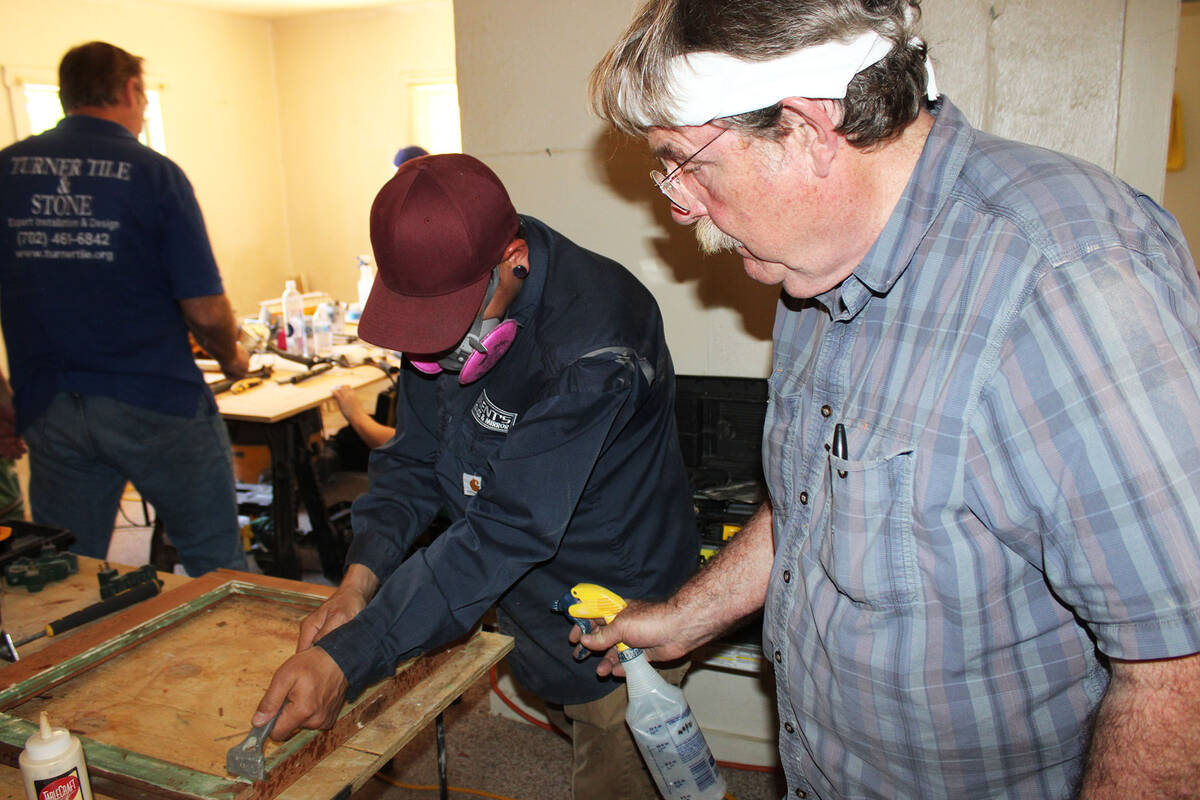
x,y
1016,367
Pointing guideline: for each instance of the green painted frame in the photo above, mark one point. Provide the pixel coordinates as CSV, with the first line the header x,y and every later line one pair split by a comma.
x,y
118,772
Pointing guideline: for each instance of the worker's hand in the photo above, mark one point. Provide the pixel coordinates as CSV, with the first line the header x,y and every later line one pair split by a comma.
x,y
239,366
339,609
315,689
640,624
348,402
357,588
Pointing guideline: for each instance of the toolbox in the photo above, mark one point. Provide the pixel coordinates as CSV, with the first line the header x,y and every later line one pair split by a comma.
x,y
720,423
20,539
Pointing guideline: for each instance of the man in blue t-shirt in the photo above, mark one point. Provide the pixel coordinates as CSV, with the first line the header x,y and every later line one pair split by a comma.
x,y
105,266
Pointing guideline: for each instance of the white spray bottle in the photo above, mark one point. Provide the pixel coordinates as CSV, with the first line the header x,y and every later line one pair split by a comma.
x,y
666,731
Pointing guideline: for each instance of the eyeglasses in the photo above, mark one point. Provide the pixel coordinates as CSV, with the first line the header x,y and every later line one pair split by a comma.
x,y
669,184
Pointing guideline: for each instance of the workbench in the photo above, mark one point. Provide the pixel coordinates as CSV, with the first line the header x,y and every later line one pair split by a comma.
x,y
158,692
285,417
24,613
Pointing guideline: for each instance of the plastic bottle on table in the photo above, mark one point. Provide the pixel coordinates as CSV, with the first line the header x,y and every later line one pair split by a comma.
x,y
293,320
323,330
366,277
52,765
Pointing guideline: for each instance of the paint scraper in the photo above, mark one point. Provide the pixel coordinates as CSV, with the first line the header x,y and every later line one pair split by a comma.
x,y
246,758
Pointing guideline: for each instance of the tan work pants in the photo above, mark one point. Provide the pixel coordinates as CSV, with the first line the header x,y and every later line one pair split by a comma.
x,y
606,761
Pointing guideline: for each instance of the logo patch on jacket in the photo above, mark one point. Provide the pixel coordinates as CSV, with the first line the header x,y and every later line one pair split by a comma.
x,y
491,416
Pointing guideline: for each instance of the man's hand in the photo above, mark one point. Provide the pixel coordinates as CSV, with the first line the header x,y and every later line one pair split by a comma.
x,y
238,366
348,403
731,586
356,590
641,624
315,688
339,609
211,321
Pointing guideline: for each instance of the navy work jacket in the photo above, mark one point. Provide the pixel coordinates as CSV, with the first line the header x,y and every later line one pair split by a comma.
x,y
561,465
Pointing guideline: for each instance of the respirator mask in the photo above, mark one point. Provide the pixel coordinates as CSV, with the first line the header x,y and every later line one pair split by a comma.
x,y
482,346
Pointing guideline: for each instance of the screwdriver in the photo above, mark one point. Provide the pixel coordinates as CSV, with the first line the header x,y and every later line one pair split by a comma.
x,y
129,597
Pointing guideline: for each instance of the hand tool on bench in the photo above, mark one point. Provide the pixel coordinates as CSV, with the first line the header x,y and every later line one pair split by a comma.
x,y
246,758
228,383
121,600
312,373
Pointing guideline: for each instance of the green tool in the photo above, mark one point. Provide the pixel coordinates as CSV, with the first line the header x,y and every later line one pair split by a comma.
x,y
35,573
111,583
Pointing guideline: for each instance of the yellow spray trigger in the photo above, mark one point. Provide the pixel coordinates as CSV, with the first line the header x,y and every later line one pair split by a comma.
x,y
596,602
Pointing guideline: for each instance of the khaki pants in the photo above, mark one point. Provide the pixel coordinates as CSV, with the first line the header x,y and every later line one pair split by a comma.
x,y
606,761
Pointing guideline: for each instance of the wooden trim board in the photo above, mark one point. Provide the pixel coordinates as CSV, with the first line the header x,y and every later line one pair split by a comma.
x,y
401,704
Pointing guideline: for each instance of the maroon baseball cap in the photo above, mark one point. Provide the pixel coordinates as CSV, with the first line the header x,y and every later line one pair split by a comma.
x,y
438,227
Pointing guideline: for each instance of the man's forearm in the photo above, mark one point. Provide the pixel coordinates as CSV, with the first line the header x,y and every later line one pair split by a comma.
x,y
1146,733
731,587
211,321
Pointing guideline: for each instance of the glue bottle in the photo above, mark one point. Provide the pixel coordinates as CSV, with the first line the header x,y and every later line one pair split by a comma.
x,y
658,715
293,320
52,765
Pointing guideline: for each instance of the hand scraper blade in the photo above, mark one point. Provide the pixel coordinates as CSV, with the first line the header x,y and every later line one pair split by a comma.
x,y
246,758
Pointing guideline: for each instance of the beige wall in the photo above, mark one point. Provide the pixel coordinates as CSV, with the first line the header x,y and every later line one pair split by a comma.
x,y
286,127
219,109
1091,77
343,83
1182,196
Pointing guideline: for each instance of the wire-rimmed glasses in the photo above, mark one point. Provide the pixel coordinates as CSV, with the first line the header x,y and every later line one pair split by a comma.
x,y
669,183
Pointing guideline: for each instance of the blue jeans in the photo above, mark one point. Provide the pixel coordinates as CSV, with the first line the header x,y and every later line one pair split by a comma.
x,y
84,448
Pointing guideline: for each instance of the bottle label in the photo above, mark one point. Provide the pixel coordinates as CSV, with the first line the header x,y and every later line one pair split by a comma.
x,y
60,787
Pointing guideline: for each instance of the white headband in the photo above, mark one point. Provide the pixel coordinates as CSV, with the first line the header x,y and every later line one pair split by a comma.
x,y
706,85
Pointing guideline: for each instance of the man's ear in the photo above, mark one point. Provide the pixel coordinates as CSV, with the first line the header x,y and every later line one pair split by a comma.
x,y
129,92
815,123
517,252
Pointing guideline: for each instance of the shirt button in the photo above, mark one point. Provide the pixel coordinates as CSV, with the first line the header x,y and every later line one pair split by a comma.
x,y
787,576
826,411
787,726
801,793
804,498
778,657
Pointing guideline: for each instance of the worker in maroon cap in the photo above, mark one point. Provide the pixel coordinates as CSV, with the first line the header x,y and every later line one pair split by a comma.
x,y
536,406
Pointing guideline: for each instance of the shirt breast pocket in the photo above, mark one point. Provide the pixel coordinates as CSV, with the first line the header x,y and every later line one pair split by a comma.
x,y
467,454
869,550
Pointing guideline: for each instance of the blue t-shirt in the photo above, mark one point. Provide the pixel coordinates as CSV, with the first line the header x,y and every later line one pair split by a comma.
x,y
100,237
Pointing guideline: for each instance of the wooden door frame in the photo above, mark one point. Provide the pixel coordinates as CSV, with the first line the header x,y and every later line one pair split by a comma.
x,y
124,773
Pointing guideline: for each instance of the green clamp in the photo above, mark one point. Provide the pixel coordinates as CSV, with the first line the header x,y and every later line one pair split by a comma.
x,y
111,583
35,573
